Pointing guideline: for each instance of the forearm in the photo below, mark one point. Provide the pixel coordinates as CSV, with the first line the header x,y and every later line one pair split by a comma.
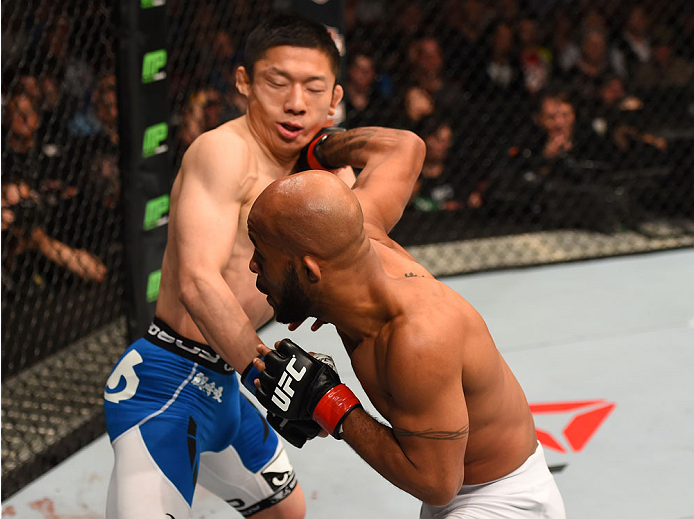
x,y
364,146
53,249
221,319
376,444
391,162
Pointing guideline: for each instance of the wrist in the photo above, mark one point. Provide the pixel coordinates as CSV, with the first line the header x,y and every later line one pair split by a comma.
x,y
315,157
248,377
332,409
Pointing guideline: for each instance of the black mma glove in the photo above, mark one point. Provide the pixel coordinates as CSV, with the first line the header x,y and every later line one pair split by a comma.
x,y
295,432
297,386
311,158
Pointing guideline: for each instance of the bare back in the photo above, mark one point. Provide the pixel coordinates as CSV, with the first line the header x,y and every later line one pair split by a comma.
x,y
244,183
501,429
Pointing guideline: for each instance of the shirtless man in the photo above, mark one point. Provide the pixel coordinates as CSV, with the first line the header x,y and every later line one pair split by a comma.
x,y
174,411
461,436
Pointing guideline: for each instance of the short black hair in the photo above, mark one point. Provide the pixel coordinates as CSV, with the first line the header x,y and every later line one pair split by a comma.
x,y
291,30
554,91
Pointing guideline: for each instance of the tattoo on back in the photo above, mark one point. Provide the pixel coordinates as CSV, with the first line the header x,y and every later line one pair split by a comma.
x,y
430,434
342,148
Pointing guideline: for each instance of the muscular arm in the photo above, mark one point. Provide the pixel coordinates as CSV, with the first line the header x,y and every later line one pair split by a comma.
x,y
391,161
213,184
423,451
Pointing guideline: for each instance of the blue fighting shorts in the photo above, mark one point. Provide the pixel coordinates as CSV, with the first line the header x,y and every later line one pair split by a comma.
x,y
174,409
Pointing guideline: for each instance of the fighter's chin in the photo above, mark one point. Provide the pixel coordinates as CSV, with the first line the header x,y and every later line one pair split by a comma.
x,y
285,318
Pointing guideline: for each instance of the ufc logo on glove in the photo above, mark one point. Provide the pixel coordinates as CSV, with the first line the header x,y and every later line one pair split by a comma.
x,y
283,394
297,386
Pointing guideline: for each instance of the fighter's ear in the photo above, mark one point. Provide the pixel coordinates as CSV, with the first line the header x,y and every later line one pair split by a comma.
x,y
338,92
243,81
312,269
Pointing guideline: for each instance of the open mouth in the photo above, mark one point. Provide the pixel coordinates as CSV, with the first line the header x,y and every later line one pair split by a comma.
x,y
288,130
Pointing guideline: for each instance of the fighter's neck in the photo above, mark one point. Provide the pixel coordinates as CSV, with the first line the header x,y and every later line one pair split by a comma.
x,y
283,160
361,304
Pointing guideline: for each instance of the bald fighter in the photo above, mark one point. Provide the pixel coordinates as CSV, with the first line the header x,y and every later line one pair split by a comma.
x,y
460,436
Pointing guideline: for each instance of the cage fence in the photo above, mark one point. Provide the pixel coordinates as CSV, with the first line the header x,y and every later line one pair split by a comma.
x,y
555,131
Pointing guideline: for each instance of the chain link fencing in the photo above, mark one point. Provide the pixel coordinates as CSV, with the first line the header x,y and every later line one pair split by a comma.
x,y
62,256
61,239
555,131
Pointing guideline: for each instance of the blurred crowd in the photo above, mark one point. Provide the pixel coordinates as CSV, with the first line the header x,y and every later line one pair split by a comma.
x,y
540,105
60,180
525,106
569,111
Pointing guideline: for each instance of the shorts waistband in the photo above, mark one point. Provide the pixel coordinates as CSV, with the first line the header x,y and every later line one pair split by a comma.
x,y
163,335
534,463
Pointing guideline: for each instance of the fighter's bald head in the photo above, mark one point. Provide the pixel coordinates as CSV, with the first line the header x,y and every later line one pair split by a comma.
x,y
313,212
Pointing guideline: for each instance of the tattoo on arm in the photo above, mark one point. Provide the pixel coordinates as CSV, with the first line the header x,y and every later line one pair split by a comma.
x,y
343,148
430,434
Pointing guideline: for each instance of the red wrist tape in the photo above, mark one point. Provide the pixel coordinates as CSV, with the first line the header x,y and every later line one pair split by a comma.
x,y
335,404
310,155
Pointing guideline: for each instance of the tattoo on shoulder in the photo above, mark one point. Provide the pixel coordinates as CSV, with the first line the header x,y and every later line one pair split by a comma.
x,y
413,275
430,434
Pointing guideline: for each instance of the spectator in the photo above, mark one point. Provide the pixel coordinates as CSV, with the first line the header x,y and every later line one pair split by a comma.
x,y
22,210
430,74
499,73
594,63
365,104
684,27
593,18
634,43
535,60
60,46
563,170
560,142
465,24
620,117
400,37
417,104
201,113
565,51
100,119
22,120
435,188
510,10
666,69
429,90
50,230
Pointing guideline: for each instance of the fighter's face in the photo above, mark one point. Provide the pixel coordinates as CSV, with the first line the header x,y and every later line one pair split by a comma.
x,y
278,279
291,96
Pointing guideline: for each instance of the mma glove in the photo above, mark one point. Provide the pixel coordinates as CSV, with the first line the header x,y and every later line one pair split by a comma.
x,y
311,157
297,386
295,432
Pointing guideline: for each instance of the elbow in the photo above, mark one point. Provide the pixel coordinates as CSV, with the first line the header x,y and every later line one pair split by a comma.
x,y
441,491
416,148
414,143
439,497
188,288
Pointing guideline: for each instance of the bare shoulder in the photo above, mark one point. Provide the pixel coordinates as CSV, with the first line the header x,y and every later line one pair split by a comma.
x,y
395,259
434,320
223,154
